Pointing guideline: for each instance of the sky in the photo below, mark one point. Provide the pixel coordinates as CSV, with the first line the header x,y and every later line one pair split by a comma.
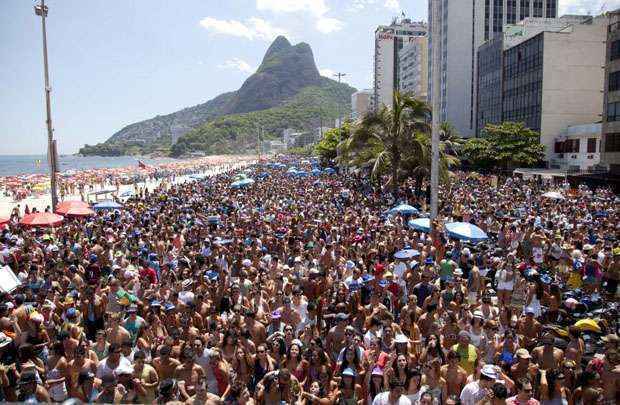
x,y
116,62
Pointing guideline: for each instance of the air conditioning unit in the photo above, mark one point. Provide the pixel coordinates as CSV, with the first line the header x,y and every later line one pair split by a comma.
x,y
573,156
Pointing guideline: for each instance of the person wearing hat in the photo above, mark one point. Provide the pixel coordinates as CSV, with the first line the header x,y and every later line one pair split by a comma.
x,y
134,323
478,389
30,391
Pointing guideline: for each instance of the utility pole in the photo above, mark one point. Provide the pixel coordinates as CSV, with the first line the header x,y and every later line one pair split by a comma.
x,y
41,10
339,75
436,95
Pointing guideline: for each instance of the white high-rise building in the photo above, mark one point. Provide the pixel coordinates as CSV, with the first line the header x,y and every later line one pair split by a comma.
x,y
389,42
413,69
464,26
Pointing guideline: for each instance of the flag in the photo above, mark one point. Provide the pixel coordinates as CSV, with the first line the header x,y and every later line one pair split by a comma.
x,y
142,165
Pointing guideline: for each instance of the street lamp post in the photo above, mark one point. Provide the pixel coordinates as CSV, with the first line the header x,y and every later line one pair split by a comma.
x,y
339,75
436,95
41,10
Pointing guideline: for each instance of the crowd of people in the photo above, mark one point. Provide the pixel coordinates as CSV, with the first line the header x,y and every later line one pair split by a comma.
x,y
288,291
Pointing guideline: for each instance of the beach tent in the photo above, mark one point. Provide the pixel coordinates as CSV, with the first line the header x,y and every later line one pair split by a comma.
x,y
420,224
107,205
466,231
42,219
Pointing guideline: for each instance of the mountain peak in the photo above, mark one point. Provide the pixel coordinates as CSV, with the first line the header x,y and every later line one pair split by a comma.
x,y
278,45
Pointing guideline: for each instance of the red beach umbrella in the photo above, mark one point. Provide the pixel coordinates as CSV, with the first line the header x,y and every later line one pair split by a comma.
x,y
4,221
64,207
79,212
42,219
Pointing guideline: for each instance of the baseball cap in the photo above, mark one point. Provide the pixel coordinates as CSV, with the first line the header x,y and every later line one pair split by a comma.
x,y
523,354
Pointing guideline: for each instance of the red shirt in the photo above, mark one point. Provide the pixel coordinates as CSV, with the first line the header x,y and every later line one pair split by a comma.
x,y
150,273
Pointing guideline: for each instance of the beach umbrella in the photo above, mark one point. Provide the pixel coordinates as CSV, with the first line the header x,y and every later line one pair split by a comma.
x,y
403,209
107,205
316,172
330,170
466,231
4,220
406,254
420,224
64,207
42,219
239,176
79,212
127,193
242,183
301,173
554,195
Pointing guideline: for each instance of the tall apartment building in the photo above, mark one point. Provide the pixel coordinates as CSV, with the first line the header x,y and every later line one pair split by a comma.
x,y
464,25
361,102
389,42
545,73
413,68
610,141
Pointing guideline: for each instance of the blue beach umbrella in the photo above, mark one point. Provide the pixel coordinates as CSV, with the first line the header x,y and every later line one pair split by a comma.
x,y
466,231
242,183
330,170
316,172
403,209
107,205
301,173
420,224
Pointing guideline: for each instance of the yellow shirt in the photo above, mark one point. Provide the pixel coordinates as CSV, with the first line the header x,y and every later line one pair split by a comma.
x,y
467,357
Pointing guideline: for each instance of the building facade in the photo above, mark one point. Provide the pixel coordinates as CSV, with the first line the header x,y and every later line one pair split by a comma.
x,y
413,68
610,144
577,148
464,26
389,42
550,78
361,102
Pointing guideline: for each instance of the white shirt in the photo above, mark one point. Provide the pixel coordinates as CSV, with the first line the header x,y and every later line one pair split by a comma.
x,y
472,393
384,399
103,368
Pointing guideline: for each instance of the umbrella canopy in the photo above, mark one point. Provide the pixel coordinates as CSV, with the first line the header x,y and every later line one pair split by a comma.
x,y
107,205
79,212
554,195
239,176
403,209
316,172
4,220
330,170
42,219
466,231
242,183
64,207
420,224
127,193
406,254
301,173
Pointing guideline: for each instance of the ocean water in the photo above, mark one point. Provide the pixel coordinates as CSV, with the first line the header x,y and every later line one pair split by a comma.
x,y
11,165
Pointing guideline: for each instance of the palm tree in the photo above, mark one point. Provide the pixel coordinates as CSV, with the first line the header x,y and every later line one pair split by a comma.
x,y
386,137
397,141
450,138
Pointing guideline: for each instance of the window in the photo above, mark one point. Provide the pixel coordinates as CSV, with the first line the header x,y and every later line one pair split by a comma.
x,y
613,112
612,142
558,147
614,50
614,81
571,146
591,145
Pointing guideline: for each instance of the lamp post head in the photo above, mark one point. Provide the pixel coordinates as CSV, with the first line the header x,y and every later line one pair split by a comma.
x,y
40,10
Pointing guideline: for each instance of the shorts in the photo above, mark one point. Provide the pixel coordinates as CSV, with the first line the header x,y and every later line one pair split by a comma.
x,y
506,285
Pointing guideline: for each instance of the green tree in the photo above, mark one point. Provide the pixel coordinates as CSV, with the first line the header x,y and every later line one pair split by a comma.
x,y
477,152
514,145
327,147
450,138
395,141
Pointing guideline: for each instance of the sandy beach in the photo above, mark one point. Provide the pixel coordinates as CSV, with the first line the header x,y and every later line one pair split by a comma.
x,y
42,200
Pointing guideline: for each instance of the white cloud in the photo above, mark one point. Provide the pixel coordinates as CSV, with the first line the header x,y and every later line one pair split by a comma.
x,y
327,73
593,7
358,5
316,7
253,28
393,5
237,64
327,25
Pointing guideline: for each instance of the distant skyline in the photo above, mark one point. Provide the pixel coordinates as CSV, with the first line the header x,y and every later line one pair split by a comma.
x,y
113,63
